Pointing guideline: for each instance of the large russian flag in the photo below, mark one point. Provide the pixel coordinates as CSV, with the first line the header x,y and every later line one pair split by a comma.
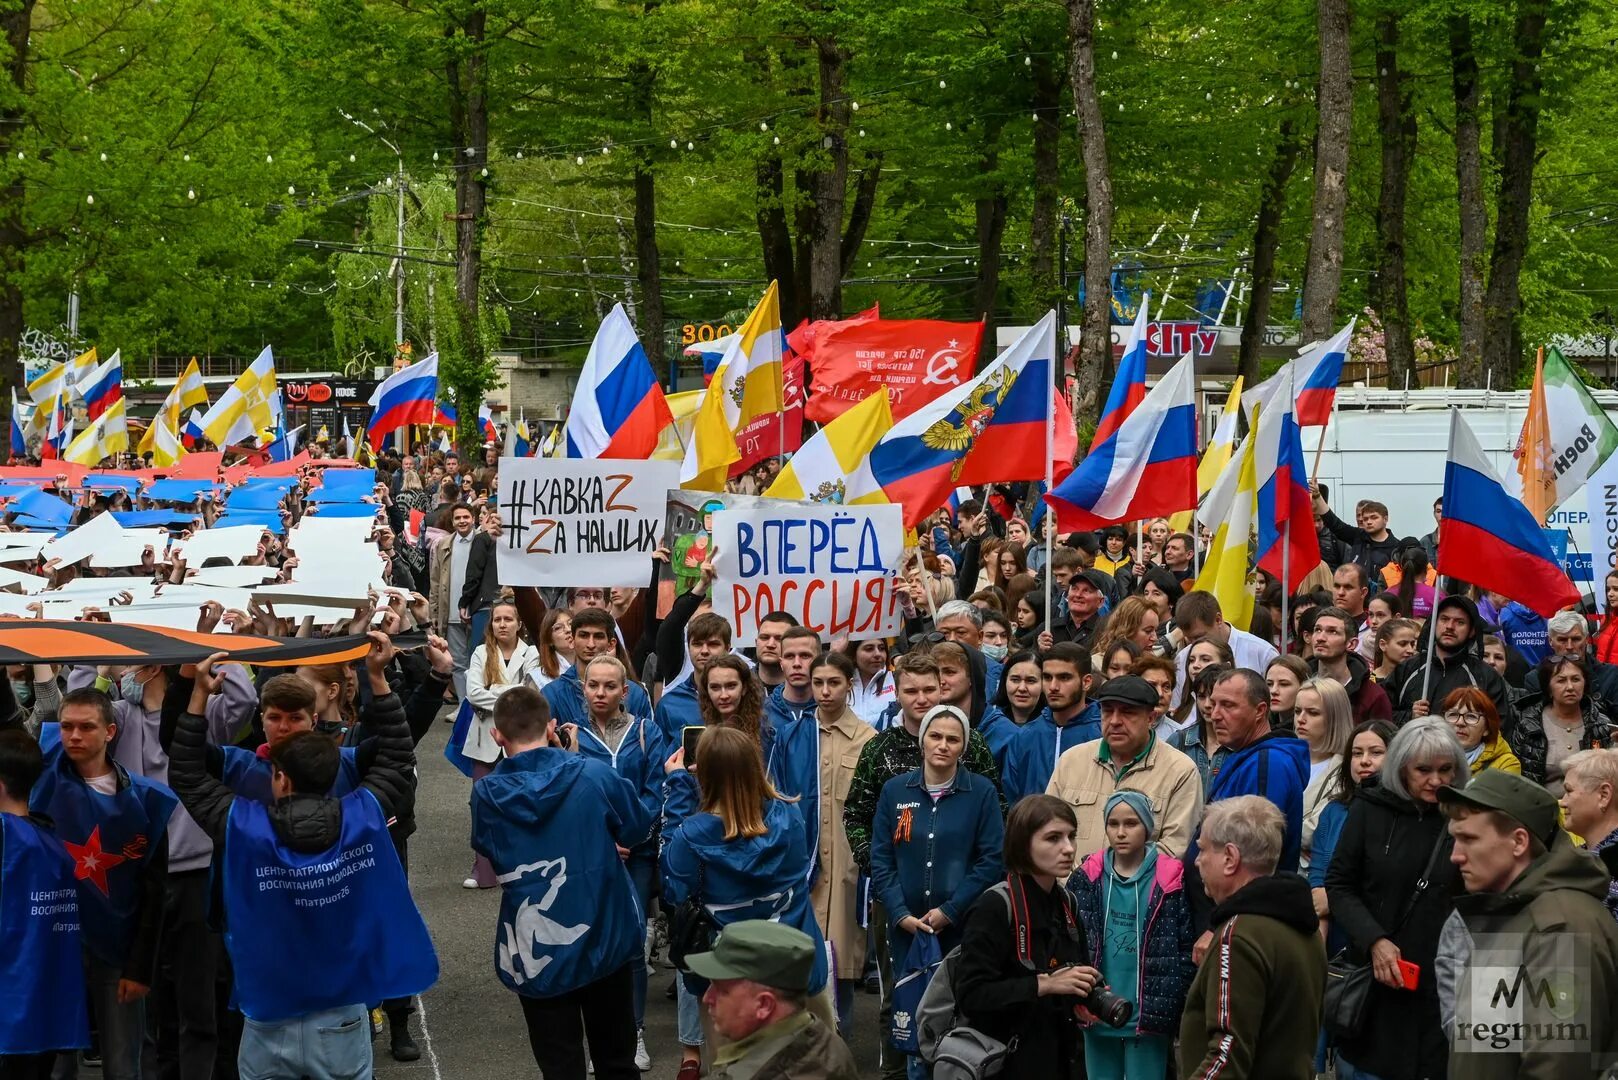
x,y
1491,540
618,407
1128,385
991,429
1146,469
1283,492
1315,376
103,386
406,397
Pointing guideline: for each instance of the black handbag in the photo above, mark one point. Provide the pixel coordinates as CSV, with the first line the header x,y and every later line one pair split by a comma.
x,y
1348,985
691,928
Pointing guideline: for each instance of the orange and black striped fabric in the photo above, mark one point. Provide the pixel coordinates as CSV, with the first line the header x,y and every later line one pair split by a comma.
x,y
34,641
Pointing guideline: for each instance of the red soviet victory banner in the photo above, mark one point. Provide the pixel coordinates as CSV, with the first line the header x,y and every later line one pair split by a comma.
x,y
916,359
763,437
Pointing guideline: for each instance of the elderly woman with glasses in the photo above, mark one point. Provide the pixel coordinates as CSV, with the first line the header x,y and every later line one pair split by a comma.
x,y
1471,715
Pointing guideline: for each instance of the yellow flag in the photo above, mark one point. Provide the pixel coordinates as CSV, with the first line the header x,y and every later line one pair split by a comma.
x,y
747,385
1217,454
1534,456
1224,572
817,471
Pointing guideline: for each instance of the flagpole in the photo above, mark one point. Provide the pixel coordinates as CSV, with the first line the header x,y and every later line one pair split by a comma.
x,y
1286,575
1432,623
1050,473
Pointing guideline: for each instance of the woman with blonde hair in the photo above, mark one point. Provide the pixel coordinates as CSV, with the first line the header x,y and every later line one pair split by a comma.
x,y
733,844
1323,718
1134,620
502,661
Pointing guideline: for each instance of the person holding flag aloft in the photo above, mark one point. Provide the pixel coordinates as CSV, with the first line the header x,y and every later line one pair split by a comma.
x,y
41,971
318,871
114,825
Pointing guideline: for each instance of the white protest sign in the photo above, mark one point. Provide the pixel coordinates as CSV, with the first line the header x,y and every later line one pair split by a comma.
x,y
574,521
101,531
1602,494
832,567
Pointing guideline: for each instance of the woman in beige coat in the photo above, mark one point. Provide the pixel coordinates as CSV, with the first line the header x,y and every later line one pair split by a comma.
x,y
836,893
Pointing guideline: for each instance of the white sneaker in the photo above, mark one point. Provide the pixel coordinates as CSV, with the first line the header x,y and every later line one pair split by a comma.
x,y
643,1060
470,883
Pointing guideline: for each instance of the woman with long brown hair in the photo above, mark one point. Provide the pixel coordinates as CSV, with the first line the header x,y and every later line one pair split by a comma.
x,y
555,646
730,695
502,661
736,846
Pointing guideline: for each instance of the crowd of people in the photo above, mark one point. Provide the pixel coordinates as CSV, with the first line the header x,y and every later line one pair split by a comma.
x,y
1119,835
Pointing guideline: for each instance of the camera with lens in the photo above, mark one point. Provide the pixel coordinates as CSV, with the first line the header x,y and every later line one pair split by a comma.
x,y
1108,1007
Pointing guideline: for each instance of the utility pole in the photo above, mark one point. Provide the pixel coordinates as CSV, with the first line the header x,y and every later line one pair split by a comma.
x,y
399,286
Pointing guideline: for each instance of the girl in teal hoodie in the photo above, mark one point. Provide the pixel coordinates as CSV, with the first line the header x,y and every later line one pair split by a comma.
x,y
1131,899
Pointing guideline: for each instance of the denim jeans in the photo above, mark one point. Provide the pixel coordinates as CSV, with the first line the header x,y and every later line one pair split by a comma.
x,y
122,1027
689,1015
334,1044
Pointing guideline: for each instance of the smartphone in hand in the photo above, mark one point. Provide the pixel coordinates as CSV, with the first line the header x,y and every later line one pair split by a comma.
x,y
689,737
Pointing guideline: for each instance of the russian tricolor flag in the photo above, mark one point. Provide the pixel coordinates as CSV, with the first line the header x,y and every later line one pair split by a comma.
x,y
1286,522
486,424
1491,540
408,396
618,407
1128,386
1146,469
989,430
1315,376
103,386
20,415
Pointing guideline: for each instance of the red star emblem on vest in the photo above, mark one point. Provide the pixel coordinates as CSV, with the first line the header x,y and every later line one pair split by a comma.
x,y
90,862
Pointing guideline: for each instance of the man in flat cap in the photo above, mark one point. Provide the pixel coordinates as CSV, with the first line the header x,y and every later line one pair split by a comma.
x,y
1536,997
1128,756
757,998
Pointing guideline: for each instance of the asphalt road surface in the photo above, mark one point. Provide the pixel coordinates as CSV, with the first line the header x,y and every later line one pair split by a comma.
x,y
469,1025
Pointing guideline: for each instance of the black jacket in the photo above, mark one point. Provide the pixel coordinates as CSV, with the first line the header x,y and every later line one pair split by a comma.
x,y
304,822
1465,668
1358,547
999,996
1386,846
1526,734
482,580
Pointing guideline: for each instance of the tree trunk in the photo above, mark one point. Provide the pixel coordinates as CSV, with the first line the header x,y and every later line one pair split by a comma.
x,y
16,24
775,237
1469,186
829,187
1397,123
859,217
991,228
1095,346
1047,182
1514,154
648,261
469,118
1334,100
1266,241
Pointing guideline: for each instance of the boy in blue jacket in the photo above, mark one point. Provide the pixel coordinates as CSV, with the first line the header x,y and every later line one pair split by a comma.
x,y
1068,720
571,929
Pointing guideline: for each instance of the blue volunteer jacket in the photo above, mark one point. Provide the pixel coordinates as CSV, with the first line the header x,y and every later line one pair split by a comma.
x,y
565,696
111,838
550,822
248,775
1031,757
1276,767
42,965
678,709
761,877
638,758
927,854
782,712
998,730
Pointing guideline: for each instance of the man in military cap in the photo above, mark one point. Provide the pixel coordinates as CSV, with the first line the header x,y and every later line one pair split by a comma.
x,y
1536,997
758,998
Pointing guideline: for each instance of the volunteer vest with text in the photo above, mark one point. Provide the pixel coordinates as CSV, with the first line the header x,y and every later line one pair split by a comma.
x,y
248,775
358,934
41,966
109,838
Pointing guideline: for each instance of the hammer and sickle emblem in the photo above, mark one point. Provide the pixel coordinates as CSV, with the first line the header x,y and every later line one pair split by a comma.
x,y
939,365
